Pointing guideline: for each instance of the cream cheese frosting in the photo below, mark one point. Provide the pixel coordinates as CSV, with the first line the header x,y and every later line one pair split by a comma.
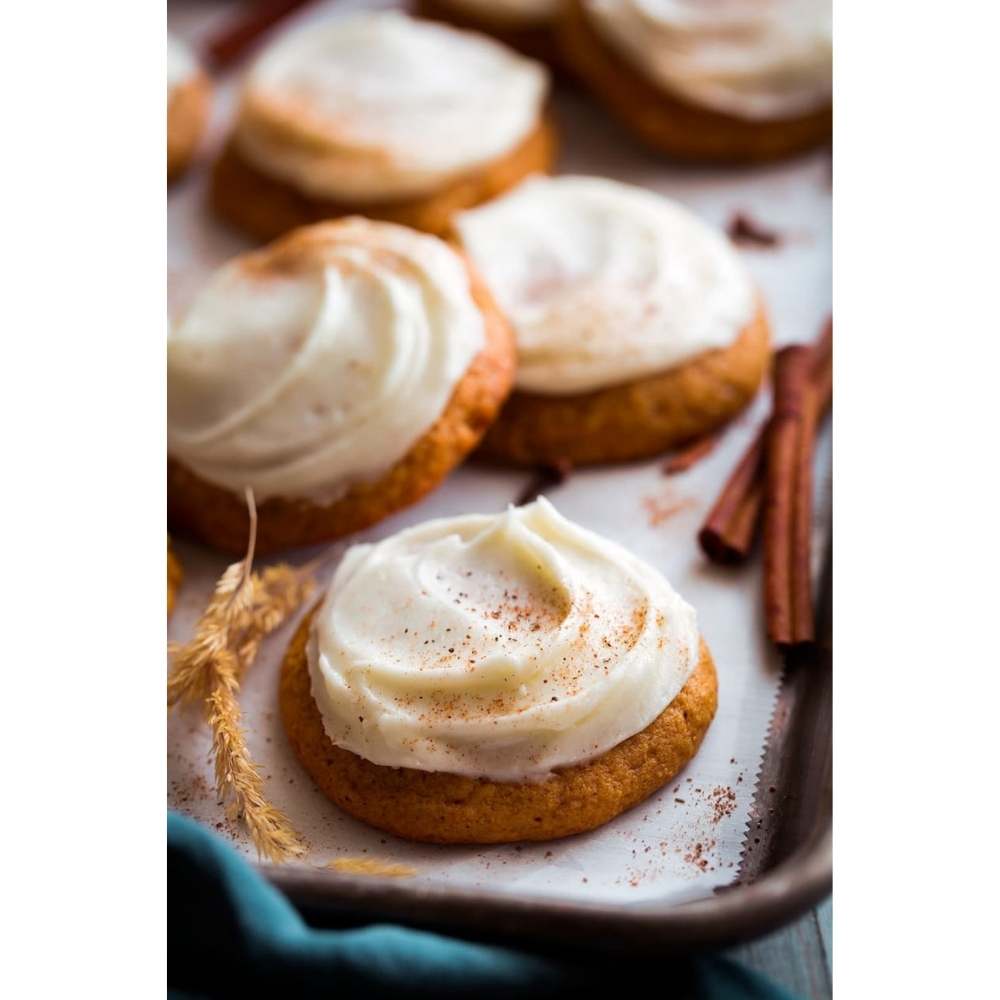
x,y
755,59
499,646
379,106
516,13
317,362
604,283
181,64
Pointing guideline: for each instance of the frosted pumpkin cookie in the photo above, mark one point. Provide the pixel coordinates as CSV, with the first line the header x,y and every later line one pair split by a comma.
x,y
382,115
493,678
188,95
340,372
637,325
525,25
736,81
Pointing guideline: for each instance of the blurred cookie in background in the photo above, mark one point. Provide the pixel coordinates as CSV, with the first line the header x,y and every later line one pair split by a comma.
x,y
728,81
188,102
381,115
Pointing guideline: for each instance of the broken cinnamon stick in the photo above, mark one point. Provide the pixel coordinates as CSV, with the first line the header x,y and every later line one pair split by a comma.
x,y
235,38
745,231
545,478
728,534
788,501
683,460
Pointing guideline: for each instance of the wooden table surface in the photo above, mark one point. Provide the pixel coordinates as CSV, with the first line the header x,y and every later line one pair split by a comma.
x,y
798,957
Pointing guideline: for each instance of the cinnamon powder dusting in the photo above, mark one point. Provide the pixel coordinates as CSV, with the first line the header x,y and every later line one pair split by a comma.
x,y
661,508
525,617
723,802
697,855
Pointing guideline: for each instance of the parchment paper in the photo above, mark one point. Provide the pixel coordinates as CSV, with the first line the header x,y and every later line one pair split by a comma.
x,y
686,841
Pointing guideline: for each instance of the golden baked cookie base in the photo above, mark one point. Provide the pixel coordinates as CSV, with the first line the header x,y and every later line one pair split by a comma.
x,y
638,419
669,123
220,518
174,576
266,207
187,116
536,41
441,808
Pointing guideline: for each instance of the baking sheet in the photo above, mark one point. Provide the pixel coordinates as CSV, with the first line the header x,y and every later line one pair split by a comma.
x,y
686,841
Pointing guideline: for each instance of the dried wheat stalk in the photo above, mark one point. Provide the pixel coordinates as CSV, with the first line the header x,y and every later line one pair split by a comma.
x,y
243,609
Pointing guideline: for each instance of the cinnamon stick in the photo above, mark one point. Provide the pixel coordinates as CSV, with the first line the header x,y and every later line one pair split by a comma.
x,y
546,477
822,368
788,501
728,534
235,38
683,460
743,230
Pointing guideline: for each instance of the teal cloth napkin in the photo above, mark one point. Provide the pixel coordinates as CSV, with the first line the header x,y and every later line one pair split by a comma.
x,y
231,933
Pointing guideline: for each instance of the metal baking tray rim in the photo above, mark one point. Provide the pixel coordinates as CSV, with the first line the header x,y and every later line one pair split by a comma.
x,y
733,914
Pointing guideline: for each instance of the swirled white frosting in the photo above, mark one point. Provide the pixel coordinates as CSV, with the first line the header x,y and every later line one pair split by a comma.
x,y
499,646
515,13
604,282
319,361
181,64
381,105
756,59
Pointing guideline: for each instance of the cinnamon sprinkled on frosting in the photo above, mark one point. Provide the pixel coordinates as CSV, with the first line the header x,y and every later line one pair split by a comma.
x,y
604,282
500,646
378,105
317,361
